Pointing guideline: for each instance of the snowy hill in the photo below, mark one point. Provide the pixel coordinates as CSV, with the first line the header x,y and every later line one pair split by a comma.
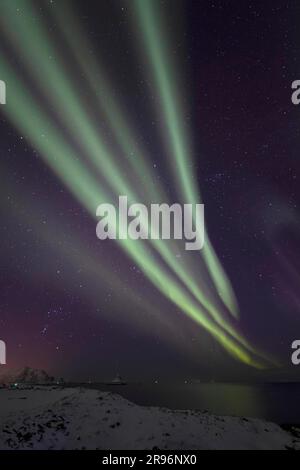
x,y
27,376
54,418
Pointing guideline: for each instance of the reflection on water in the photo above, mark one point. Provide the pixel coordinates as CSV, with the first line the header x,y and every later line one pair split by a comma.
x,y
275,402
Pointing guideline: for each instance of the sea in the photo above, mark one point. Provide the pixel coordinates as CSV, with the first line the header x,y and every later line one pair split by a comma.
x,y
277,402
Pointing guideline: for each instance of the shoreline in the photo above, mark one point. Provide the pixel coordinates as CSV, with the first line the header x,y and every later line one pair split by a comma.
x,y
80,418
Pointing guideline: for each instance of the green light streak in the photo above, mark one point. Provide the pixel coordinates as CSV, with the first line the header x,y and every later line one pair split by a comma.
x,y
127,141
115,116
178,142
78,254
60,155
35,48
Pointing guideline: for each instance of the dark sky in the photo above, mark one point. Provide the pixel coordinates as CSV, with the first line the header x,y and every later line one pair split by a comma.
x,y
59,308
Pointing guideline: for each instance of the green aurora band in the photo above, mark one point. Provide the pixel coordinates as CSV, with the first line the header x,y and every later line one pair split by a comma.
x,y
63,152
163,76
127,141
34,47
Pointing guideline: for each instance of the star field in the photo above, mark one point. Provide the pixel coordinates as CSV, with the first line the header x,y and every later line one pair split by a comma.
x,y
84,309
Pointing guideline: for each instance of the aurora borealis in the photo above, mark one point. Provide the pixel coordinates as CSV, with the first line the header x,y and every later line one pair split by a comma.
x,y
98,111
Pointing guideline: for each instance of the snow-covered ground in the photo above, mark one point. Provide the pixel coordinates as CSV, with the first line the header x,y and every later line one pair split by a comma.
x,y
75,418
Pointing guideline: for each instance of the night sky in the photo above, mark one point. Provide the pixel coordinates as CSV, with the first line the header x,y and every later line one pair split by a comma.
x,y
82,308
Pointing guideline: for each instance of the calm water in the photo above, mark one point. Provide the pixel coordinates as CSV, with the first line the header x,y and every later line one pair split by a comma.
x,y
276,402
